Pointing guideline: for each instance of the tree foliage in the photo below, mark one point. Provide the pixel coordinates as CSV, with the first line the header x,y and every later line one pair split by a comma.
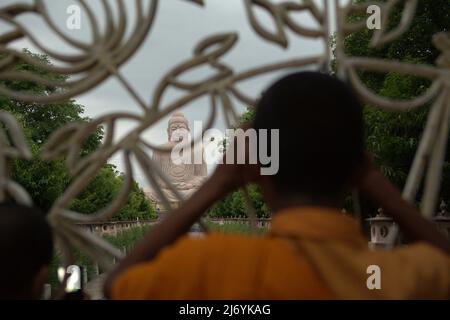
x,y
393,138
234,205
47,180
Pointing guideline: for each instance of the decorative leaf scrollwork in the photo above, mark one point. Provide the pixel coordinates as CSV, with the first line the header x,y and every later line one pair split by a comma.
x,y
93,63
13,145
280,14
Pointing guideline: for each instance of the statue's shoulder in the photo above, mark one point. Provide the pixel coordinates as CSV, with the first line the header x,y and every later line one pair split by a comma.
x,y
169,144
163,155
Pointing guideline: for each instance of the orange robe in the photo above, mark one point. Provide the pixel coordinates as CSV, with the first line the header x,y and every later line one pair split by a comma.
x,y
309,253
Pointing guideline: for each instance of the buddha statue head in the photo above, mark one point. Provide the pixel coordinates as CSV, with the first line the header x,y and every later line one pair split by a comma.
x,y
186,177
178,127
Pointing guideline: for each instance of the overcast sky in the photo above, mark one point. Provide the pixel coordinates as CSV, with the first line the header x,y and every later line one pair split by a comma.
x,y
178,27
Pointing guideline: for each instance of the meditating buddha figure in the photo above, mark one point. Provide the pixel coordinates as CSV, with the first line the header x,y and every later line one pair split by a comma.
x,y
186,176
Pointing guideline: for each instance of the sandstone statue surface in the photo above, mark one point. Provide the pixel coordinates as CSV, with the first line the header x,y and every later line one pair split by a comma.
x,y
185,177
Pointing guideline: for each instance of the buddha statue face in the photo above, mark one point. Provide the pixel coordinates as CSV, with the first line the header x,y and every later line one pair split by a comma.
x,y
178,129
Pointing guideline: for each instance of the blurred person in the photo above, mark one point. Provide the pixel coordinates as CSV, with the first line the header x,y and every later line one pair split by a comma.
x,y
312,250
26,247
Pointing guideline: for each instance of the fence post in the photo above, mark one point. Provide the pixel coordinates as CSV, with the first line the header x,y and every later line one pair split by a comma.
x,y
96,268
47,292
85,275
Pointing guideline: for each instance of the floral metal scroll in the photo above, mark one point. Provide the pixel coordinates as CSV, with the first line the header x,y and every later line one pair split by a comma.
x,y
95,62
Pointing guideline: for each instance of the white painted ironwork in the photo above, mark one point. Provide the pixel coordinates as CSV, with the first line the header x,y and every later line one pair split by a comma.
x,y
97,61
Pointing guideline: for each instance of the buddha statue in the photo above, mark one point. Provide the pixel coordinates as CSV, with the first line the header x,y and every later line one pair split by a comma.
x,y
186,177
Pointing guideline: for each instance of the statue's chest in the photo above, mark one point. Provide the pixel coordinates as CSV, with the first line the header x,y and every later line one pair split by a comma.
x,y
177,171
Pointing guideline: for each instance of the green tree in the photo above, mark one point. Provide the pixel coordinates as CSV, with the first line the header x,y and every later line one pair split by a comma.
x,y
47,180
138,205
393,137
234,203
247,116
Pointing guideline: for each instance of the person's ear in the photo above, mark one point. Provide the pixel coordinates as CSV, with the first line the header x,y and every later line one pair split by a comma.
x,y
39,281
